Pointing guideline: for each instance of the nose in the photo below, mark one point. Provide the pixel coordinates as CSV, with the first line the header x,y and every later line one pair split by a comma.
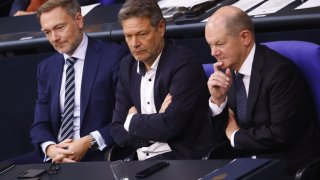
x,y
214,51
135,42
54,36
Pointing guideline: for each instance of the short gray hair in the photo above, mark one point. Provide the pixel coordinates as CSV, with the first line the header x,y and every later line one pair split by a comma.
x,y
141,8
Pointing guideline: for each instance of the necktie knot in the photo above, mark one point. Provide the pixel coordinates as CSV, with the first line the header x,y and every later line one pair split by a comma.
x,y
238,78
142,69
71,61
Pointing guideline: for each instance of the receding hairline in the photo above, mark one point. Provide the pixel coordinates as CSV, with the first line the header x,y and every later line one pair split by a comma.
x,y
233,19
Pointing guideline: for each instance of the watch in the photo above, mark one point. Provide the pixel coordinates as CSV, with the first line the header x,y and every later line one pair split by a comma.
x,y
93,144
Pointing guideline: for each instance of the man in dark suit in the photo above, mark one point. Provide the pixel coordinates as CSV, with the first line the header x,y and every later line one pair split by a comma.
x,y
277,118
161,100
95,76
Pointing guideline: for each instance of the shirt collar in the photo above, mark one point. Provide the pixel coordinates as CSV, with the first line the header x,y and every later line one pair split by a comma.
x,y
246,67
154,65
80,52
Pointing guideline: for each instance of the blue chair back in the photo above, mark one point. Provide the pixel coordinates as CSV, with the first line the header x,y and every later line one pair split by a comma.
x,y
307,57
208,69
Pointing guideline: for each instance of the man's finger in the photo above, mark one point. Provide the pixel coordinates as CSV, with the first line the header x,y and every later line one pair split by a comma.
x,y
58,158
67,160
217,66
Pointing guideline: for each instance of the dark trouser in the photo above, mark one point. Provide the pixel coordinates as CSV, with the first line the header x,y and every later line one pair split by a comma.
x,y
29,158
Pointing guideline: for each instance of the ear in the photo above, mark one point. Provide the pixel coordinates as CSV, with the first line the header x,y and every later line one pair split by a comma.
x,y
162,27
246,37
79,20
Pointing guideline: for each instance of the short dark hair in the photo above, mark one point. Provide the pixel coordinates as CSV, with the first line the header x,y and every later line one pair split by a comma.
x,y
141,8
72,7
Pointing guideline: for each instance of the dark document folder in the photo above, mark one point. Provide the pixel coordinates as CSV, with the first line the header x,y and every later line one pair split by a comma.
x,y
236,169
5,166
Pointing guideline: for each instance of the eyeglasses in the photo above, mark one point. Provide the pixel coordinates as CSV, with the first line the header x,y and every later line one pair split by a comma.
x,y
53,169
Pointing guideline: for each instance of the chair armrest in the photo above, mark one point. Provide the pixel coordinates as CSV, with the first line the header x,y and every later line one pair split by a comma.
x,y
116,152
309,171
222,150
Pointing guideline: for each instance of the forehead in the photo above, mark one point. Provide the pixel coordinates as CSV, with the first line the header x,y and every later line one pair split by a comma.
x,y
215,32
51,18
135,24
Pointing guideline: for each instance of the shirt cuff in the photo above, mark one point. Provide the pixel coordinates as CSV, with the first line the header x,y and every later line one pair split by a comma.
x,y
232,137
101,142
128,120
44,147
215,109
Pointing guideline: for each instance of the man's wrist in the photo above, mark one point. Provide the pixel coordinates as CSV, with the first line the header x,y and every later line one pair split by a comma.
x,y
93,142
217,101
49,150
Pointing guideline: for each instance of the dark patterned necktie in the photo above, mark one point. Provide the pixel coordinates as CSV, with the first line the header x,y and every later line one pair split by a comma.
x,y
66,129
241,98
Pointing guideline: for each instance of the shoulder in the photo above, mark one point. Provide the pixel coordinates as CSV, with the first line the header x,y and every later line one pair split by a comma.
x,y
104,45
275,67
51,61
108,49
177,53
272,59
177,48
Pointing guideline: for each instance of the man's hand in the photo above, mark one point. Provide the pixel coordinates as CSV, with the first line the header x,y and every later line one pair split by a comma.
x,y
79,148
219,84
232,125
58,152
132,110
167,101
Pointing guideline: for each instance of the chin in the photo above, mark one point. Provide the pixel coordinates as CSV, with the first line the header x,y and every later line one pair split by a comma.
x,y
138,58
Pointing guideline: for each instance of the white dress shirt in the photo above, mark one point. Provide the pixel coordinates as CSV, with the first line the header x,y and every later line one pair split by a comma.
x,y
80,54
245,69
148,107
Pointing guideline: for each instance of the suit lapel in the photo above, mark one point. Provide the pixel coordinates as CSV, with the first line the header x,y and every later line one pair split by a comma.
x,y
90,68
57,77
157,85
255,80
135,81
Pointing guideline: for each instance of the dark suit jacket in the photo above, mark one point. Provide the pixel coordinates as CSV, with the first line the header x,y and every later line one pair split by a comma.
x,y
100,75
281,119
184,125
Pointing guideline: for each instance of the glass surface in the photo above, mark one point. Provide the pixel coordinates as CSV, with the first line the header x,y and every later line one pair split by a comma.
x,y
119,171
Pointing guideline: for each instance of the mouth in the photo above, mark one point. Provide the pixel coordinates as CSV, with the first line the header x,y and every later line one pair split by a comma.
x,y
138,52
219,59
59,45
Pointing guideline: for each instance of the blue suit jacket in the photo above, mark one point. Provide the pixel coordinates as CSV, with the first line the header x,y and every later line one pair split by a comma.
x,y
100,74
185,124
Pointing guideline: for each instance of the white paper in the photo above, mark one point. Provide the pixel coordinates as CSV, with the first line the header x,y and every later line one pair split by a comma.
x,y
246,4
86,9
309,4
179,3
269,7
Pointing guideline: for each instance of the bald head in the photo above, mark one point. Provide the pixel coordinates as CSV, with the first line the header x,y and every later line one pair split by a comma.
x,y
232,18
